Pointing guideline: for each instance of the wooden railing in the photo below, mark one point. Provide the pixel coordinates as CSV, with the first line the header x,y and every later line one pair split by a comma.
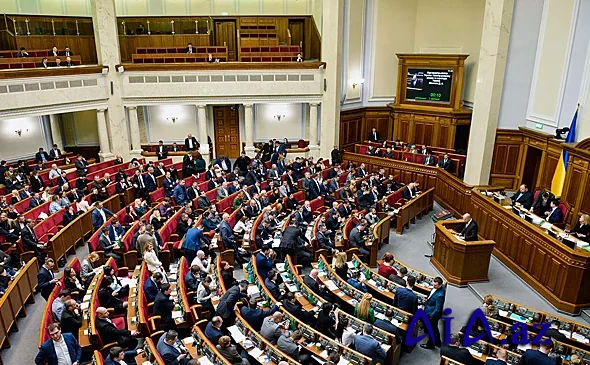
x,y
413,209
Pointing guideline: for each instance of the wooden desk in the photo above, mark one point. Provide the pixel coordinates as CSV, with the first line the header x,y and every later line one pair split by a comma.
x,y
557,272
460,261
83,331
133,300
415,208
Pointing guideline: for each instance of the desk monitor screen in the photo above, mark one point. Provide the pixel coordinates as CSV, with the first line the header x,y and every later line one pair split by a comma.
x,y
429,85
528,218
515,210
552,233
569,243
497,199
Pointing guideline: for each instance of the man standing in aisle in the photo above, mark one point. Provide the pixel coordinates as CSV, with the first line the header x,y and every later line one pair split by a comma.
x,y
434,310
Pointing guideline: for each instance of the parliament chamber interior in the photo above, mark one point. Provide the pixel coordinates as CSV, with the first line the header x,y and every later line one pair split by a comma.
x,y
294,182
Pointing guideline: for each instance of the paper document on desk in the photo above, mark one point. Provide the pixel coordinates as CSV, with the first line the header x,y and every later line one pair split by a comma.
x,y
372,282
380,316
235,333
255,352
205,361
280,267
253,291
396,322
524,347
330,285
343,361
546,225
177,314
496,334
276,242
350,264
341,294
292,288
128,281
580,338
87,297
188,340
503,313
84,305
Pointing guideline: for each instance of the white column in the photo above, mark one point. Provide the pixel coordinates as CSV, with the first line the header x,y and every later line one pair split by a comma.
x,y
202,122
104,21
314,148
488,91
134,129
56,130
249,129
332,20
103,135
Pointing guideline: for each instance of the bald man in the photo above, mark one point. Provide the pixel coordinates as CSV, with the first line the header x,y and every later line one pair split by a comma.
x,y
271,328
469,232
109,333
501,358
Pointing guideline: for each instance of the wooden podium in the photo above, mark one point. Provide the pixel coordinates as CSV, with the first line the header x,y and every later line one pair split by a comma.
x,y
460,262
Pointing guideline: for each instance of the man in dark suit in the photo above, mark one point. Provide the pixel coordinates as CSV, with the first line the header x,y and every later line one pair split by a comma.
x,y
42,156
109,333
224,163
190,49
445,163
405,298
169,185
324,239
29,240
356,239
67,52
344,210
409,191
454,352
55,153
171,349
150,180
254,315
523,197
554,215
271,284
368,346
81,166
71,320
117,356
46,281
361,172
311,280
469,232
163,307
161,150
150,287
429,159
539,356
228,301
501,358
374,135
387,325
543,203
99,215
553,332
190,143
54,52
434,310
47,353
293,243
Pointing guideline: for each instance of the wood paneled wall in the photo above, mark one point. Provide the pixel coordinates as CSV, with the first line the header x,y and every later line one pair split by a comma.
x,y
508,151
83,45
355,125
576,190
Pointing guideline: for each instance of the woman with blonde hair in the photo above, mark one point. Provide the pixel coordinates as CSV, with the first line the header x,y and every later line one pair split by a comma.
x,y
152,261
340,265
87,270
363,310
582,229
156,220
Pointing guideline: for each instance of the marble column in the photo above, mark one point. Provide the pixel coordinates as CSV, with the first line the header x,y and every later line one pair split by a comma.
x,y
54,120
314,148
106,37
583,122
332,20
202,122
249,129
103,135
488,91
134,130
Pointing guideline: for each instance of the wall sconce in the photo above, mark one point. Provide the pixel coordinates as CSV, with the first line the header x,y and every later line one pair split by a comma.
x,y
20,131
173,119
278,117
357,83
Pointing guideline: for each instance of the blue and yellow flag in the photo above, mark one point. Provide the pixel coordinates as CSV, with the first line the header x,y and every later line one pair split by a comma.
x,y
559,175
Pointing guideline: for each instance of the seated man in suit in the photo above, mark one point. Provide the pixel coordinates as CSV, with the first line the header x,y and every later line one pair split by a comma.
x,y
356,239
501,358
117,356
190,49
213,329
469,232
523,197
312,281
48,353
454,352
109,333
387,325
554,215
445,163
553,332
368,346
539,356
410,191
42,156
151,286
171,349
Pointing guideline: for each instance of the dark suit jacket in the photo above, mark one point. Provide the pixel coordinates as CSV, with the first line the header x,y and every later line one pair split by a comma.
x,y
405,299
162,152
151,290
535,357
108,332
70,323
373,137
47,354
163,307
150,184
227,302
370,347
494,362
312,284
406,193
444,164
470,232
458,354
43,282
525,199
29,240
556,216
555,334
434,305
195,144
55,154
356,238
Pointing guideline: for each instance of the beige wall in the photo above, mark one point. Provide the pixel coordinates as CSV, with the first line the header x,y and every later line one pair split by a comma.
x,y
46,7
423,26
452,26
354,49
290,126
13,146
393,32
80,128
159,128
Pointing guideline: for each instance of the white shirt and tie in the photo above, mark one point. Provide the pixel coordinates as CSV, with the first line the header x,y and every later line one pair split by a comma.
x,y
375,136
190,143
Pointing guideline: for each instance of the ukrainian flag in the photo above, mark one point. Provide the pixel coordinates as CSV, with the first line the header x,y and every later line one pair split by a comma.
x,y
559,175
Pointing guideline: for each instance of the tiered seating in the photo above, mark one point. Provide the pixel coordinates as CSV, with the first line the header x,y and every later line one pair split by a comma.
x,y
178,55
33,62
269,54
47,317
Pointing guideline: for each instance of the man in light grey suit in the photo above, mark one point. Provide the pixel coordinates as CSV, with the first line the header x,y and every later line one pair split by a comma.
x,y
222,191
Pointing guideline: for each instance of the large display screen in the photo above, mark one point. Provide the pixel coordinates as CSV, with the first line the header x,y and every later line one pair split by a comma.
x,y
429,85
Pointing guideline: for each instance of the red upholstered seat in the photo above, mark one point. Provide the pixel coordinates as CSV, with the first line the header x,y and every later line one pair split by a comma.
x,y
119,322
